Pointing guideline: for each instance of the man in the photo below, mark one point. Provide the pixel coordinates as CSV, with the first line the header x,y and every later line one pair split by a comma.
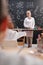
x,y
29,23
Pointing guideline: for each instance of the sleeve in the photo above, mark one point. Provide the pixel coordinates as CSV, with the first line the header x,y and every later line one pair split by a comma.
x,y
25,23
18,35
33,24
15,35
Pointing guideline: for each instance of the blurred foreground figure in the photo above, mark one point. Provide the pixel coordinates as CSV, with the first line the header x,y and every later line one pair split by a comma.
x,y
5,32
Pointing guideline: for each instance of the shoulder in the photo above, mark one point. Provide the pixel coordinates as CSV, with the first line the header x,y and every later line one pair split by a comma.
x,y
26,18
33,18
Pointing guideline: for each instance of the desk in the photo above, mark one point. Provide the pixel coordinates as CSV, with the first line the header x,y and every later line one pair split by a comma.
x,y
21,56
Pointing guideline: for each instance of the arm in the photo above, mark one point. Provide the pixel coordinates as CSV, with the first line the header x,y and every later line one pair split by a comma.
x,y
33,24
25,23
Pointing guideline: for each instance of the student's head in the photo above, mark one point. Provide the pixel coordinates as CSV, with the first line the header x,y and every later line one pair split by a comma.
x,y
28,13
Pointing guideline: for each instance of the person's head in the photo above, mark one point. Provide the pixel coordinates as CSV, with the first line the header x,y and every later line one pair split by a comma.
x,y
28,13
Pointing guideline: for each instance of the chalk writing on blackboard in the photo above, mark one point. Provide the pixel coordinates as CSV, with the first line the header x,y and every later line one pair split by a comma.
x,y
29,4
19,9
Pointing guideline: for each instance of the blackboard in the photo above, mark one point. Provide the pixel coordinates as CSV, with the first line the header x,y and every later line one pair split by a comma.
x,y
18,8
